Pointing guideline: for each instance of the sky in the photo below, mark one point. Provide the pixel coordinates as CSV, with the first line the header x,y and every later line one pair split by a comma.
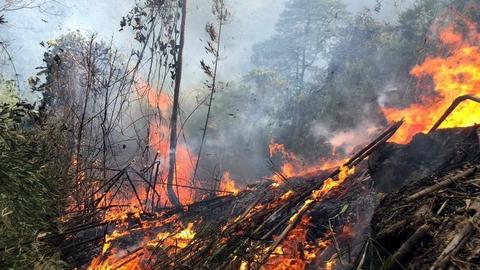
x,y
252,21
27,28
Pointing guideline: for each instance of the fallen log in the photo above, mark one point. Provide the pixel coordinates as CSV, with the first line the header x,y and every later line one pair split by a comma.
x,y
441,184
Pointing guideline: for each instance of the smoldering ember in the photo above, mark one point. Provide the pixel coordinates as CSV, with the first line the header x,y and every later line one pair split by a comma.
x,y
228,134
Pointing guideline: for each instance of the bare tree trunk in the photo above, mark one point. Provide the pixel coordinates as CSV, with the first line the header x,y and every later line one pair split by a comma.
x,y
173,198
300,81
304,55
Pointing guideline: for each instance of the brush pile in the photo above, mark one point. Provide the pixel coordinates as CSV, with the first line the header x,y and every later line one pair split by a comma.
x,y
432,223
315,222
329,220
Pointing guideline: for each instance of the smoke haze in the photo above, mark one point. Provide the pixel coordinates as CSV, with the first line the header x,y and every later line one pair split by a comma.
x,y
28,27
252,21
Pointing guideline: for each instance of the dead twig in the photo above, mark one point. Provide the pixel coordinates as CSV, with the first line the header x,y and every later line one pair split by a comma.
x,y
457,242
411,243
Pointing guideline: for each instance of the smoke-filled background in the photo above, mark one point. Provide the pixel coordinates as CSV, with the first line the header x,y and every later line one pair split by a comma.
x,y
28,27
318,100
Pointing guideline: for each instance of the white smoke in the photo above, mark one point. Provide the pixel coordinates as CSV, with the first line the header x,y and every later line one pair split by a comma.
x,y
346,141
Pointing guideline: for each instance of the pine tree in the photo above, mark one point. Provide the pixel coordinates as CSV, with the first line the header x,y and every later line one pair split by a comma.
x,y
303,34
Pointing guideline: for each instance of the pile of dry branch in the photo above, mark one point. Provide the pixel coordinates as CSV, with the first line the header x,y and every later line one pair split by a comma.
x,y
331,220
432,223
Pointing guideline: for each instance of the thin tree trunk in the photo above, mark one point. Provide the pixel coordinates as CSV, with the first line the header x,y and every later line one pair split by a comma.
x,y
89,73
212,91
304,55
173,198
85,106
300,83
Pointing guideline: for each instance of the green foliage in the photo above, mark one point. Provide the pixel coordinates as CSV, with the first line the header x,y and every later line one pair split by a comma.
x,y
335,68
356,76
369,58
8,92
29,192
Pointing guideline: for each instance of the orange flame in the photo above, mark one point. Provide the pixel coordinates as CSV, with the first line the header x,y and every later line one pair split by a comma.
x,y
293,166
291,254
453,76
178,240
288,255
159,133
228,184
172,242
330,264
330,184
124,260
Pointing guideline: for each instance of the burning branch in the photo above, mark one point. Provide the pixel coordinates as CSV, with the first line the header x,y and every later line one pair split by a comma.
x,y
450,109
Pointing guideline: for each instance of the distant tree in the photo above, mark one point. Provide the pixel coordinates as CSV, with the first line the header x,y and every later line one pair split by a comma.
x,y
337,67
304,33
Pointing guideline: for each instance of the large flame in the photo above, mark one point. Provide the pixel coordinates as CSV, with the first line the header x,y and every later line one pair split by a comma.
x,y
455,75
159,141
178,236
110,258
